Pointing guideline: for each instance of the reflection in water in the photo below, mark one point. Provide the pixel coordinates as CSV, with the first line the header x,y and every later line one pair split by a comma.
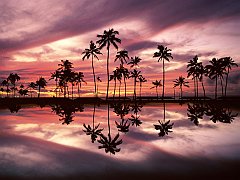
x,y
215,112
94,132
163,126
14,108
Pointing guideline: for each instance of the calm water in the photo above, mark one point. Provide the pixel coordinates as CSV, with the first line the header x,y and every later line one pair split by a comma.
x,y
155,140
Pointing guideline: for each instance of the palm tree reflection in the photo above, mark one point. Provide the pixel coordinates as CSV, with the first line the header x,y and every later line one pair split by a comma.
x,y
195,112
93,131
14,108
107,142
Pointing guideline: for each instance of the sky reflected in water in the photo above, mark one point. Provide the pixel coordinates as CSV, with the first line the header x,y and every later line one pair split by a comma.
x,y
34,136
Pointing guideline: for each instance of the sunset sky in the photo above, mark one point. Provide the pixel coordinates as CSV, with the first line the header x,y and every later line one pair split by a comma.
x,y
35,35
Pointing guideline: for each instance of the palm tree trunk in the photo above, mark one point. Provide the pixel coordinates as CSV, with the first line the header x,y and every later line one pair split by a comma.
x,y
56,88
174,94
135,80
226,83
125,84
140,90
115,85
72,91
163,80
94,78
78,90
39,88
181,92
194,81
221,81
14,85
108,52
157,92
204,93
216,89
119,89
197,86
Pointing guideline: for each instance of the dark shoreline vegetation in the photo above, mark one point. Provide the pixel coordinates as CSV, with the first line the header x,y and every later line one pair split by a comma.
x,y
66,79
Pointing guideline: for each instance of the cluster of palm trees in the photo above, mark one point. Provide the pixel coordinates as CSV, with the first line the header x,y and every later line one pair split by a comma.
x,y
11,86
217,70
64,76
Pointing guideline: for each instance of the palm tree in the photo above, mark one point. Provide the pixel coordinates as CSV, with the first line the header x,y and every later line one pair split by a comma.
x,y
106,39
119,78
56,76
41,83
162,55
141,80
228,63
32,86
125,74
73,80
193,69
181,82
114,77
215,70
79,80
65,74
13,78
98,81
201,73
156,85
164,128
135,74
93,51
122,56
6,83
134,61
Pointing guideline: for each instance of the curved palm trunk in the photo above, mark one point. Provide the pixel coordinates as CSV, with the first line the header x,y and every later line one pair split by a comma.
x,y
181,92
108,50
195,93
197,86
78,90
163,80
94,78
204,93
174,93
226,83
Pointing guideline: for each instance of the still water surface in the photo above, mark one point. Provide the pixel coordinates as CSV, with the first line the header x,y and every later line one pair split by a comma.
x,y
170,140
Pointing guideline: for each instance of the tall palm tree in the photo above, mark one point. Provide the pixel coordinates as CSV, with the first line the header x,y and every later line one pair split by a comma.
x,y
41,83
119,78
215,70
156,85
141,80
13,78
193,69
201,73
32,86
162,55
106,39
122,56
134,61
92,52
79,80
228,63
181,82
73,80
135,74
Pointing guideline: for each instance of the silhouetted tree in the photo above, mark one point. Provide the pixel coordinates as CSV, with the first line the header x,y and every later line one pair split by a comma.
x,y
13,78
98,81
6,83
41,83
125,74
55,76
92,52
79,80
32,86
122,56
215,70
162,55
106,39
134,62
228,63
164,128
181,82
114,77
141,80
135,74
156,85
